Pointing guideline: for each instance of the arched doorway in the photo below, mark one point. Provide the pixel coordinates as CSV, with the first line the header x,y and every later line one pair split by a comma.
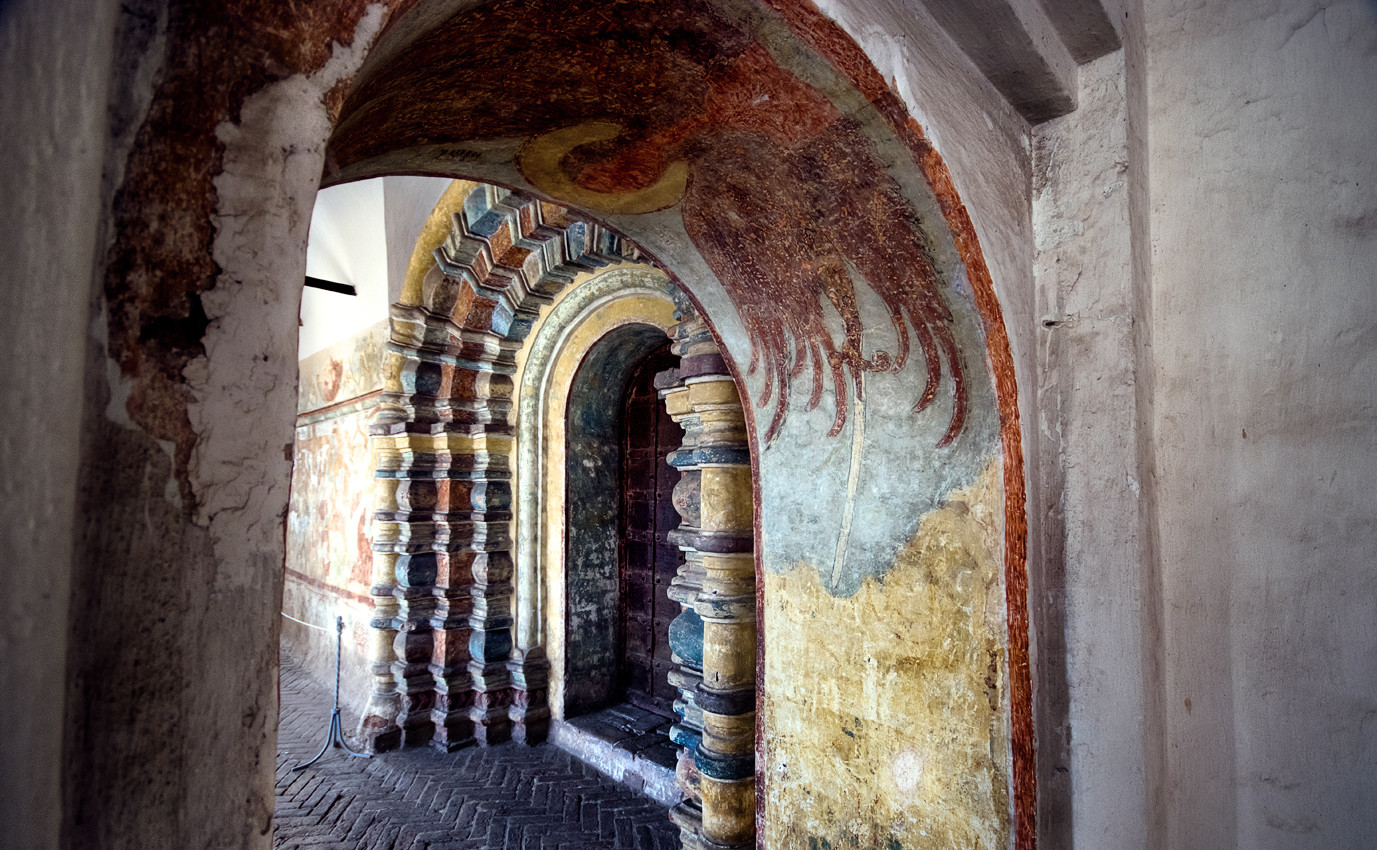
x,y
609,585
616,703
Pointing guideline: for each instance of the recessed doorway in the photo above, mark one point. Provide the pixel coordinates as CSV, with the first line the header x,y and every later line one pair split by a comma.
x,y
647,561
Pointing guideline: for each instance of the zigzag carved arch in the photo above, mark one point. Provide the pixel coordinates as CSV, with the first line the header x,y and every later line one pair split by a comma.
x,y
443,670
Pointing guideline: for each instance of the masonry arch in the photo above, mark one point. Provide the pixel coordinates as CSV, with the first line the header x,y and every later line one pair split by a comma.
x,y
800,209
567,549
464,638
761,158
608,660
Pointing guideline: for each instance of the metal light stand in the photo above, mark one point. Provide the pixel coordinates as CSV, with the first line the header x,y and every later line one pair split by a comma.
x,y
335,735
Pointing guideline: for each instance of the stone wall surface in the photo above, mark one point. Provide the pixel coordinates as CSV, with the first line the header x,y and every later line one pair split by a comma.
x,y
329,563
1263,184
55,60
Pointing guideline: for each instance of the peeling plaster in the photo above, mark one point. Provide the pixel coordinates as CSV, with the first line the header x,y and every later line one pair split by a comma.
x,y
913,736
235,379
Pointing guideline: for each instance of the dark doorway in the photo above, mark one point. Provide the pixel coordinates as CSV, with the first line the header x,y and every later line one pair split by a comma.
x,y
647,562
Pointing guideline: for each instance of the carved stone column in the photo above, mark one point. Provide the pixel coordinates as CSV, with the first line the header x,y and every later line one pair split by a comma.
x,y
449,654
726,756
378,727
718,582
686,631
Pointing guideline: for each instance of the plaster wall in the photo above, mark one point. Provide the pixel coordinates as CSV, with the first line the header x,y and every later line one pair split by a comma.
x,y
344,371
1264,313
407,205
987,147
185,452
329,559
883,716
983,140
1097,679
55,59
347,244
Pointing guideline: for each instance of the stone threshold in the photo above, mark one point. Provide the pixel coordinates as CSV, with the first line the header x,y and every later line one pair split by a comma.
x,y
628,745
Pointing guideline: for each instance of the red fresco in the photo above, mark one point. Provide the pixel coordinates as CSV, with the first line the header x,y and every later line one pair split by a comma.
x,y
785,200
841,52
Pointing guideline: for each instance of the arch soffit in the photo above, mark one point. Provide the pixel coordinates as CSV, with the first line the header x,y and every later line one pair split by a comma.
x,y
902,196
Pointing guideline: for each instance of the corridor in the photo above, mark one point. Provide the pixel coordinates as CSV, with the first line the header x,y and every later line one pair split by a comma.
x,y
510,797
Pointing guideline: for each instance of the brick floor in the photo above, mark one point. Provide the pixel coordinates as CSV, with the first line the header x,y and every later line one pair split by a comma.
x,y
510,796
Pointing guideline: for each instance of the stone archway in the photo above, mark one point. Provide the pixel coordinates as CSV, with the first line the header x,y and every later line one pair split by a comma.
x,y
604,648
451,601
809,217
714,638
631,295
267,149
443,566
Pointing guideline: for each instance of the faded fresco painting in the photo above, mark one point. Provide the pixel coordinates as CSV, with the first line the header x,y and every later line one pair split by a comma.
x,y
755,155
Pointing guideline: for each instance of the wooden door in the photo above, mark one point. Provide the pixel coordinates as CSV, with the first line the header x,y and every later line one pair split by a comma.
x,y
647,561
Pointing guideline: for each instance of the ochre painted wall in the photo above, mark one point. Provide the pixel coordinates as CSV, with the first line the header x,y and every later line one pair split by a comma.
x,y
884,718
329,560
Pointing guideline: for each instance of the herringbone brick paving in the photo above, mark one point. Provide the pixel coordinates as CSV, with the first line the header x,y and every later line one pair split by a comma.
x,y
510,796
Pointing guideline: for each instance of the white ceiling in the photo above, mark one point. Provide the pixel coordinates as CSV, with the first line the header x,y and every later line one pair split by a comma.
x,y
352,227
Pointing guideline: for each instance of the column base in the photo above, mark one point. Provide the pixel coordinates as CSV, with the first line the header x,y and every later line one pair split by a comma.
x,y
453,726
492,729
417,734
688,816
378,730
530,710
491,723
380,739
530,726
453,733
417,729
